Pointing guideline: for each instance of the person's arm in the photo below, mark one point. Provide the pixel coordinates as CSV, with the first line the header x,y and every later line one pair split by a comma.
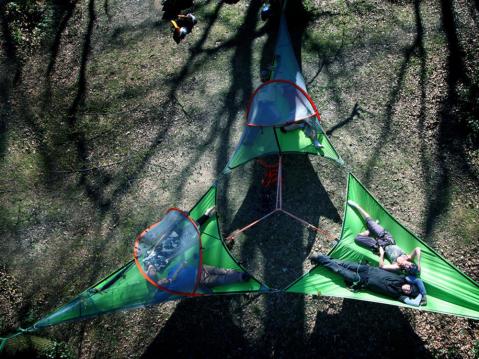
x,y
410,301
418,282
416,253
388,267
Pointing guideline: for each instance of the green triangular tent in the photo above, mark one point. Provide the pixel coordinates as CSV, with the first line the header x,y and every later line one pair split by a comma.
x,y
127,288
449,290
286,97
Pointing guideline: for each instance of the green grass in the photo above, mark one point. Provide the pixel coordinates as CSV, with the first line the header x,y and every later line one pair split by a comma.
x,y
466,223
475,349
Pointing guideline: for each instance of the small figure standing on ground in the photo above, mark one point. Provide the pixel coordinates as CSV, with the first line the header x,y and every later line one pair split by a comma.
x,y
376,238
182,26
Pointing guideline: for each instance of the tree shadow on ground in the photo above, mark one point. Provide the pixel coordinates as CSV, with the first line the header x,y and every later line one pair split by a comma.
x,y
96,181
476,4
9,47
63,11
431,191
10,73
201,327
49,160
5,104
275,250
331,63
357,330
77,136
409,52
298,21
106,9
364,330
437,164
355,113
459,104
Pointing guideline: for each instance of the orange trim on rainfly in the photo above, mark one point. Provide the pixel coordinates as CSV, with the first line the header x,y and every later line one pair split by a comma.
x,y
305,94
147,277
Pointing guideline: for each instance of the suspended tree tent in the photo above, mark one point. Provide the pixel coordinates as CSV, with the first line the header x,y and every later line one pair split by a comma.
x,y
276,103
449,290
130,286
280,102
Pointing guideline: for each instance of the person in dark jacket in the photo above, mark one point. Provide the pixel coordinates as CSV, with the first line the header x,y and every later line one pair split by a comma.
x,y
396,286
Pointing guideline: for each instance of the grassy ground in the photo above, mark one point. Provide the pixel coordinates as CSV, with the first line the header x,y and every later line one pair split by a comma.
x,y
106,123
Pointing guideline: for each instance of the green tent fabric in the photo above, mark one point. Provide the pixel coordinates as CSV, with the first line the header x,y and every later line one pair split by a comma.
x,y
449,290
215,253
127,287
282,100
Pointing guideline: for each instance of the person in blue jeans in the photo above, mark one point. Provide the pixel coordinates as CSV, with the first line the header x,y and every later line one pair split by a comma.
x,y
407,289
182,278
420,285
376,238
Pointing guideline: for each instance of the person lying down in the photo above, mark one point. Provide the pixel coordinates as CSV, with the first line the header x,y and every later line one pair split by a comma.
x,y
407,289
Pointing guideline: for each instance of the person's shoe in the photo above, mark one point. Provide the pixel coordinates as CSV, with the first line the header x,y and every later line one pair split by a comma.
x,y
246,276
210,212
423,301
353,204
317,257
